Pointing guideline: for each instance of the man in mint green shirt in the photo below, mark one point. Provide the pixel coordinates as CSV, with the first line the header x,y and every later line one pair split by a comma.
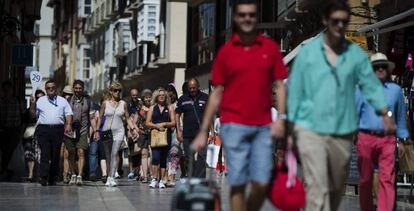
x,y
321,105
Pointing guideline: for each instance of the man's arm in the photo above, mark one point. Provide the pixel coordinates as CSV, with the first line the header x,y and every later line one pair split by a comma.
x,y
212,107
278,128
295,95
68,123
68,116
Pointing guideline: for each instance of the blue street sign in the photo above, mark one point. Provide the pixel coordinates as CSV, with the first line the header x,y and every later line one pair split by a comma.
x,y
22,55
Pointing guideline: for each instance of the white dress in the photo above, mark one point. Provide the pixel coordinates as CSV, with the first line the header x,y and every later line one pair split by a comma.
x,y
114,121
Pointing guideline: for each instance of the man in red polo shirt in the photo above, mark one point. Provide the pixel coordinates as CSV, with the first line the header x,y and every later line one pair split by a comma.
x,y
243,73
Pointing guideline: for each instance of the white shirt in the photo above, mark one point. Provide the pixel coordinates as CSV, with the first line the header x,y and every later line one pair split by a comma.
x,y
52,112
217,125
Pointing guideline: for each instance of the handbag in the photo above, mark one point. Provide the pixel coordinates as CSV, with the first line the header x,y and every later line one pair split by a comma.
x,y
159,139
287,191
29,132
107,134
134,148
406,162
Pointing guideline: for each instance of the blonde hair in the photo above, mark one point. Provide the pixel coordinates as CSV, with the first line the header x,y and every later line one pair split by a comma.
x,y
157,93
115,85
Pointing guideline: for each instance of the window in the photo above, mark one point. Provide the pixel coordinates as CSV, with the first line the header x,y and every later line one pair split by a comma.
x,y
152,14
151,28
151,35
87,9
152,7
151,21
86,68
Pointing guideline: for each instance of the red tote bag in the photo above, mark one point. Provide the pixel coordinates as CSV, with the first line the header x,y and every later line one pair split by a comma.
x,y
287,192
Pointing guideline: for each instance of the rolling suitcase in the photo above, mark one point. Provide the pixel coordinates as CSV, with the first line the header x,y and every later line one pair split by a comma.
x,y
196,194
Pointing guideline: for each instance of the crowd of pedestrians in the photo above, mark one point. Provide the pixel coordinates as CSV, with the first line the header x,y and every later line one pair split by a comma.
x,y
335,96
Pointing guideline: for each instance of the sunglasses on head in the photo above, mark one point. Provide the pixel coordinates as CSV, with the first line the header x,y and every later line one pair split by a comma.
x,y
380,66
245,14
336,21
116,90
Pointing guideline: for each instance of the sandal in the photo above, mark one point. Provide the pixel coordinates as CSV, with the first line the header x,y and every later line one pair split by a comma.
x,y
144,180
104,179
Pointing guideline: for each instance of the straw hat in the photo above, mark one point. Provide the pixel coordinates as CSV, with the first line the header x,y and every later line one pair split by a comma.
x,y
68,90
380,58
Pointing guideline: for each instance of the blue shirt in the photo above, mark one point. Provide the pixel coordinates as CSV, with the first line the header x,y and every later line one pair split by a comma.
x,y
321,98
369,120
52,111
188,106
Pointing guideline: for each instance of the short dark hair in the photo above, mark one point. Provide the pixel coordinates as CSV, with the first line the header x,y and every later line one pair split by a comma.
x,y
79,82
50,81
171,88
185,87
39,91
335,5
6,84
236,3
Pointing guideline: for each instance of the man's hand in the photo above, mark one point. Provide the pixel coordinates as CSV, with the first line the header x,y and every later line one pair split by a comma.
x,y
200,141
180,135
278,129
389,125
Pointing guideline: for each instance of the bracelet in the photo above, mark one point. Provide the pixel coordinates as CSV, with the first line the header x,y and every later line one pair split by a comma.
x,y
282,116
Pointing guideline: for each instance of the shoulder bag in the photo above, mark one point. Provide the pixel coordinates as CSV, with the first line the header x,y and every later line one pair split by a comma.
x,y
107,134
159,138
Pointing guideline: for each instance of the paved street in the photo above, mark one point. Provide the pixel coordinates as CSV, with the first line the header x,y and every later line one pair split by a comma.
x,y
129,195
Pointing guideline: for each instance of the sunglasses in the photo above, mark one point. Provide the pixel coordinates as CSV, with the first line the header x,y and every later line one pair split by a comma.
x,y
116,90
336,21
245,14
380,67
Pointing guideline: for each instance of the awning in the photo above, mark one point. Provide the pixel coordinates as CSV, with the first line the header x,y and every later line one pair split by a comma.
x,y
292,54
374,29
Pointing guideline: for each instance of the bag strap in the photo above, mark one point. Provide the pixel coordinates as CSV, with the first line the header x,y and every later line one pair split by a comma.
x,y
291,163
113,115
196,114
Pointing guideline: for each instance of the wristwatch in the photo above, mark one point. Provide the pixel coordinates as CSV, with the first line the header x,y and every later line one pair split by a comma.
x,y
389,114
282,116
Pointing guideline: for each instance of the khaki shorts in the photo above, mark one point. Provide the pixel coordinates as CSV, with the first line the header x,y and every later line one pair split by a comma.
x,y
81,143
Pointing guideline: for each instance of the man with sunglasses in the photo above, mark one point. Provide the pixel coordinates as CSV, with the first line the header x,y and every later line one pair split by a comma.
x,y
321,105
53,113
243,73
375,147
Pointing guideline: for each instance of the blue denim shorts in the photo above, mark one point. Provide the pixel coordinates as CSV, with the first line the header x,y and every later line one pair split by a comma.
x,y
249,153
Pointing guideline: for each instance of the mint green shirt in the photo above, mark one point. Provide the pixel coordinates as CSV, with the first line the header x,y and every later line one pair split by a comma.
x,y
321,98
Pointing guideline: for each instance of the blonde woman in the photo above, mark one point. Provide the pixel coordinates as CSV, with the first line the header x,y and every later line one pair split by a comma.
x,y
161,116
116,112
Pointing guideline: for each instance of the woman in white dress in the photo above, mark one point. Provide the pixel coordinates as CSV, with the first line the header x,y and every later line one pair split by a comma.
x,y
116,112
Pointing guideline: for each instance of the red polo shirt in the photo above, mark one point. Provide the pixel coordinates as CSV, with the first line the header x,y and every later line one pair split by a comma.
x,y
247,74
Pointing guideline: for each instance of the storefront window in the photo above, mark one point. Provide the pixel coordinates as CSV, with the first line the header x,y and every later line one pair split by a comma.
x,y
203,31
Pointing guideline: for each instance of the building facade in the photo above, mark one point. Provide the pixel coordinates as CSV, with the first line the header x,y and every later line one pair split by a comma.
x,y
43,53
17,36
